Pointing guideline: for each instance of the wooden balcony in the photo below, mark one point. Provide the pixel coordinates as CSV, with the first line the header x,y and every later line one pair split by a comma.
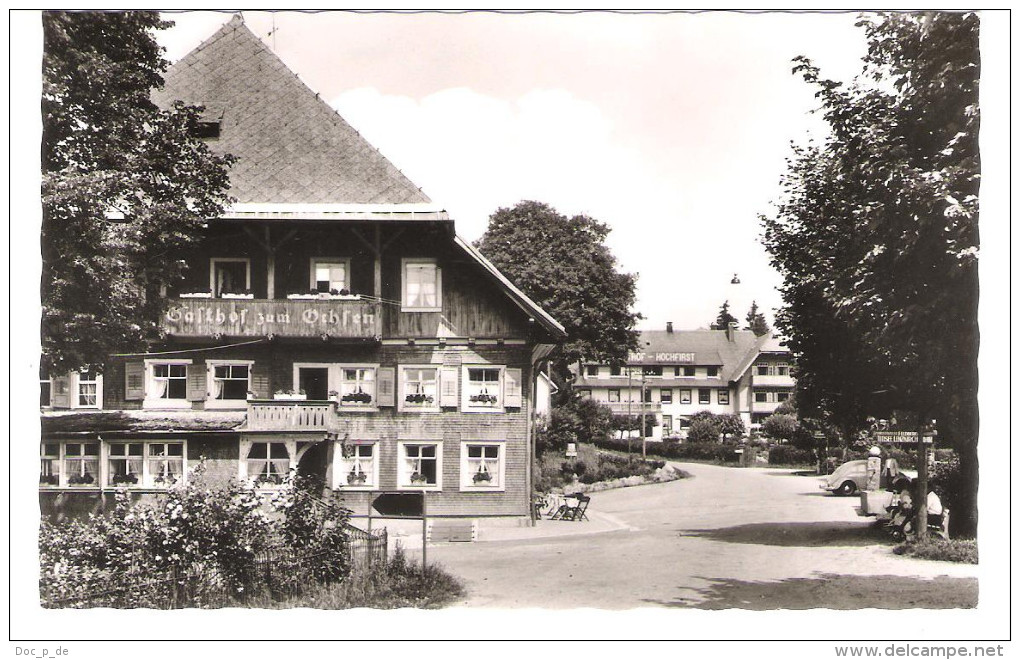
x,y
215,317
277,415
634,408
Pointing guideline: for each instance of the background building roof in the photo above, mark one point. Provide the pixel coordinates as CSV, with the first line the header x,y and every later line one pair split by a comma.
x,y
292,147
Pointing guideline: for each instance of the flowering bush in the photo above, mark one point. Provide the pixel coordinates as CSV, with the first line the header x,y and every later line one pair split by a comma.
x,y
215,534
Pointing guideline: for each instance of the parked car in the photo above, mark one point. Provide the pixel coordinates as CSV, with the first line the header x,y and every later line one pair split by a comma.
x,y
852,476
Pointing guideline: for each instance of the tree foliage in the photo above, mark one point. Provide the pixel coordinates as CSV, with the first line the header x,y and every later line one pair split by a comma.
x,y
723,320
877,236
780,427
125,185
756,322
564,265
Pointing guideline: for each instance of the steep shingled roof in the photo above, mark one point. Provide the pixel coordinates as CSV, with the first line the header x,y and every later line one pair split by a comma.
x,y
711,348
292,146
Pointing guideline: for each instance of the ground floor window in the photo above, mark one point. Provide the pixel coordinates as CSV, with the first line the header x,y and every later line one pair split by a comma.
x,y
420,465
481,466
230,383
81,464
268,463
358,465
667,424
147,464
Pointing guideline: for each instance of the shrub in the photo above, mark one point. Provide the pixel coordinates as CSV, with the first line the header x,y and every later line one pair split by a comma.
x,y
730,424
780,427
790,455
703,431
687,451
939,549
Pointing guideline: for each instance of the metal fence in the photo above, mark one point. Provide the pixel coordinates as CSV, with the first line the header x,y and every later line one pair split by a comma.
x,y
273,575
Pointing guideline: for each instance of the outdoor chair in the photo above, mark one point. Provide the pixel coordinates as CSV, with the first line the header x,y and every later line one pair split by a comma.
x,y
577,512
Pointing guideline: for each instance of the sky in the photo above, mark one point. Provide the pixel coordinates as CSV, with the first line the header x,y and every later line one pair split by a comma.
x,y
670,128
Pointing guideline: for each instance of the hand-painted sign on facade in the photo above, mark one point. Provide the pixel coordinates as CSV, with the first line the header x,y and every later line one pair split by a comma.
x,y
257,318
662,358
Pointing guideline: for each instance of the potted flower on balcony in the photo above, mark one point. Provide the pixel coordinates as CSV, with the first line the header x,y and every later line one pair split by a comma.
x,y
124,479
49,479
197,293
418,479
243,294
290,395
359,396
419,399
356,478
81,479
303,295
482,477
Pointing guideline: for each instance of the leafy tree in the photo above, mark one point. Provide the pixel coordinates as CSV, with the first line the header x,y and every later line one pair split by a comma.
x,y
723,320
756,321
705,427
877,236
730,424
125,185
564,265
780,427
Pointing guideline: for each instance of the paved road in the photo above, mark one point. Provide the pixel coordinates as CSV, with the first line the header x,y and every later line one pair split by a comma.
x,y
752,539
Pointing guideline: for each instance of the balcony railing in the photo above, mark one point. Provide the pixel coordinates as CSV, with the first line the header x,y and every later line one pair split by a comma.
x,y
634,408
774,381
276,415
210,317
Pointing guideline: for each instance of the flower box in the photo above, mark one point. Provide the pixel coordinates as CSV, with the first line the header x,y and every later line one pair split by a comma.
x,y
289,396
237,296
124,479
419,479
419,399
484,399
81,480
356,398
49,479
482,478
197,294
358,479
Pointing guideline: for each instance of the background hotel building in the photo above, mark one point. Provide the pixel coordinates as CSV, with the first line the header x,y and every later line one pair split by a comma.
x,y
677,374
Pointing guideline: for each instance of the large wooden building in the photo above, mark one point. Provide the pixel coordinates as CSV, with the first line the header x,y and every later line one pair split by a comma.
x,y
677,374
331,322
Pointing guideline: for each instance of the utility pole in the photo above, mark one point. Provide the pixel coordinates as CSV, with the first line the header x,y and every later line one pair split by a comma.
x,y
921,496
630,402
644,407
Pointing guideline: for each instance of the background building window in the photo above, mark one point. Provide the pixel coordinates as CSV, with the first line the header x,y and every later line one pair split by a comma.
x,y
614,371
666,395
685,396
713,372
422,288
723,396
704,396
592,370
614,396
667,424
651,371
761,397
584,393
782,396
689,372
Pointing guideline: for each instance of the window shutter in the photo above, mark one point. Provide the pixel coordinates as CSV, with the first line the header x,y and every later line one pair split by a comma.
x,y
198,382
260,384
448,382
512,392
134,381
60,392
387,386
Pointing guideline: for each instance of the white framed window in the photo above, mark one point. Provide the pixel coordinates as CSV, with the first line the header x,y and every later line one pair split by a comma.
x,y
267,464
704,396
685,397
652,371
667,424
614,396
88,389
229,275
713,372
482,466
723,396
330,275
49,464
421,286
229,383
357,386
420,465
761,397
167,384
419,389
666,395
688,372
591,371
782,396
81,464
358,465
483,388
145,464
583,393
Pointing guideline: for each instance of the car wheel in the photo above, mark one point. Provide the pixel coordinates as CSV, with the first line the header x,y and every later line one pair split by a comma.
x,y
846,488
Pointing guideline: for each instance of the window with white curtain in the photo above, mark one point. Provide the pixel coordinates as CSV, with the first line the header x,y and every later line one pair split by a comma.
x,y
422,290
268,463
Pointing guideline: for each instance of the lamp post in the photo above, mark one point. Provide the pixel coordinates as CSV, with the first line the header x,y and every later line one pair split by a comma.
x,y
644,407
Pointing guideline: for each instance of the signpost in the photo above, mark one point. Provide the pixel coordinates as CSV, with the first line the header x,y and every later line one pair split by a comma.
x,y
404,505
